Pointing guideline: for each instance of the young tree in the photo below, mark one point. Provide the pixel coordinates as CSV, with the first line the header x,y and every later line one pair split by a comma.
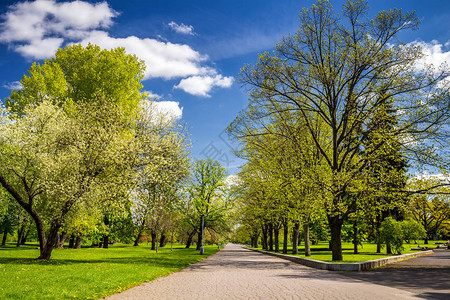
x,y
207,190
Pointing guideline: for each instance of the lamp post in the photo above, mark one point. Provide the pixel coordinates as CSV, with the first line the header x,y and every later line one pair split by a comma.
x,y
202,249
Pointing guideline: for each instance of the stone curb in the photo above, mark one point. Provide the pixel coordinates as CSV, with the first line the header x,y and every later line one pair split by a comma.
x,y
360,266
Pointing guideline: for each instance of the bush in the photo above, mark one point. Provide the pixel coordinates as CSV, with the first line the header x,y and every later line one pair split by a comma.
x,y
391,233
412,230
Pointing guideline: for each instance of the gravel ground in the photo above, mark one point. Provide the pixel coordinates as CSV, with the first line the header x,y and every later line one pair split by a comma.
x,y
238,273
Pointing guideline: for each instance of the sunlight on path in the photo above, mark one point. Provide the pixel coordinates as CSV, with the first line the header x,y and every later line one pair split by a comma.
x,y
237,273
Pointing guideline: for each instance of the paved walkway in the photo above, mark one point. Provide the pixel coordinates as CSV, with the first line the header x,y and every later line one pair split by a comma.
x,y
238,273
428,276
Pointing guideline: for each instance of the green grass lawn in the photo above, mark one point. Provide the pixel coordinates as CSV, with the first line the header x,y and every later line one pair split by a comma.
x,y
87,273
366,252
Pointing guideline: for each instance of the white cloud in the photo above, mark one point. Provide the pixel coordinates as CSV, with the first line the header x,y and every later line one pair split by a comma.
x,y
202,85
170,108
30,21
153,96
15,85
37,29
434,53
167,110
182,28
163,60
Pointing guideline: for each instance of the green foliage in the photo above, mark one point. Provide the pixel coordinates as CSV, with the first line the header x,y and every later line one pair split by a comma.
x,y
353,96
391,232
79,74
412,230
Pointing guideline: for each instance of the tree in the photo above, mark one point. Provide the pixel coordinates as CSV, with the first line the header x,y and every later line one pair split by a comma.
x,y
69,135
430,209
163,166
334,69
207,190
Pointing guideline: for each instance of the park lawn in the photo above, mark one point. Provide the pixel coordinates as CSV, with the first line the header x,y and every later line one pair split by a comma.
x,y
87,273
366,252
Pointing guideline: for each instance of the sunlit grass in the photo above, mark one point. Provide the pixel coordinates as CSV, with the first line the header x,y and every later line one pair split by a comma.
x,y
366,252
87,273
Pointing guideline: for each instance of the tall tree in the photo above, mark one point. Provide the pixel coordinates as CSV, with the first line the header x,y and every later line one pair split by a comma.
x,y
333,69
72,138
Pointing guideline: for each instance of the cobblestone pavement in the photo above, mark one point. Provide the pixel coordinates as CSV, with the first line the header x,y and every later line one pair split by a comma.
x,y
426,276
238,273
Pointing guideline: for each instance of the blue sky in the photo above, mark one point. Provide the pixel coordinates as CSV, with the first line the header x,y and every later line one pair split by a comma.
x,y
193,49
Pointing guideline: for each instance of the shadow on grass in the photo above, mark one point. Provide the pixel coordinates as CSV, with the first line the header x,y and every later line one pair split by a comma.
x,y
160,261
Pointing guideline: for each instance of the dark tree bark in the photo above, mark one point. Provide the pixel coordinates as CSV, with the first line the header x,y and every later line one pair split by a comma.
x,y
270,237
72,241
25,237
20,233
265,232
336,243
154,241
285,237
162,240
307,242
29,209
106,237
276,231
138,238
378,224
105,241
388,248
5,235
62,239
51,239
295,234
189,239
355,237
78,241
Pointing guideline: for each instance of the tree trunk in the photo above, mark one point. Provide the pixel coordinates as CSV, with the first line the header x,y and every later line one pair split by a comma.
x,y
20,233
154,241
5,235
162,240
136,241
355,237
72,241
78,241
276,231
336,244
51,239
295,234
106,237
189,239
307,242
378,234
200,233
264,242
388,247
62,239
425,240
25,237
105,241
285,237
157,244
270,237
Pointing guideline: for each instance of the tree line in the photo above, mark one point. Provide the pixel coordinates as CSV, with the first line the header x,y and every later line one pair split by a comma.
x,y
85,153
337,115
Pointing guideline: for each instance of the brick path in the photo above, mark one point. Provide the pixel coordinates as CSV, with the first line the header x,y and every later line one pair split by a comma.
x,y
237,273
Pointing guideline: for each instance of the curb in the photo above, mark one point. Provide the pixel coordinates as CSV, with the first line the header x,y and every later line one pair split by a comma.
x,y
355,267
